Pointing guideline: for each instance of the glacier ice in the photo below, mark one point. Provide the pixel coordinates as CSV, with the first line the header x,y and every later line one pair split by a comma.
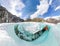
x,y
8,36
30,31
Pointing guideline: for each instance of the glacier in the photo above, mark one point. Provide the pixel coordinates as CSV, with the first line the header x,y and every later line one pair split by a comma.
x,y
8,36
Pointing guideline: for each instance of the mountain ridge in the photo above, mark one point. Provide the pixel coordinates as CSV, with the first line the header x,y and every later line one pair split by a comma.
x,y
6,16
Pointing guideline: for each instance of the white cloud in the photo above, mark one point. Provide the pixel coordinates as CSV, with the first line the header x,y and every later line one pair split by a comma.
x,y
19,14
47,18
13,5
50,2
57,8
25,17
16,5
41,9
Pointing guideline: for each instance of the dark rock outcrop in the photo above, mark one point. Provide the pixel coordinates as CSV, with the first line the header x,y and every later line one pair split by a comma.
x,y
6,16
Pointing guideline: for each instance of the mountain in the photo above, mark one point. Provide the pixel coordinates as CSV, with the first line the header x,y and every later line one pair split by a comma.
x,y
48,20
53,20
35,20
6,16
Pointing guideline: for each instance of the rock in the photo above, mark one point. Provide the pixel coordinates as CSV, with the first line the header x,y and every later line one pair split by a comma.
x,y
7,17
52,20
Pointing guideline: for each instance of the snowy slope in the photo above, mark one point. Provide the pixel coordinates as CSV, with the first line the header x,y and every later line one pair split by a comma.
x,y
9,38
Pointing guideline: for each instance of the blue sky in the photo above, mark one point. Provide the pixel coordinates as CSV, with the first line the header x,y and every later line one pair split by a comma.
x,y
51,11
32,8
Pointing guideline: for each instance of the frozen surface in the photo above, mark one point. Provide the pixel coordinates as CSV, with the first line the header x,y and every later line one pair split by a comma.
x,y
31,27
9,38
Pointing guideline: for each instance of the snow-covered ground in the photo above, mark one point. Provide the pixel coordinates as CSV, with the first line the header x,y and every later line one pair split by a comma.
x,y
9,38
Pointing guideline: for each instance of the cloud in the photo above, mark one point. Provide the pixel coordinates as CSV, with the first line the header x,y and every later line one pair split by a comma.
x,y
50,2
5,3
41,9
13,5
57,8
25,17
16,5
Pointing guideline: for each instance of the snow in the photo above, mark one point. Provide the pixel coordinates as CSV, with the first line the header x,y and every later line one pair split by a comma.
x,y
9,38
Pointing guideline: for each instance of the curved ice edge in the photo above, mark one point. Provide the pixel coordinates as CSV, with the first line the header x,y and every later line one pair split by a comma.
x,y
44,35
